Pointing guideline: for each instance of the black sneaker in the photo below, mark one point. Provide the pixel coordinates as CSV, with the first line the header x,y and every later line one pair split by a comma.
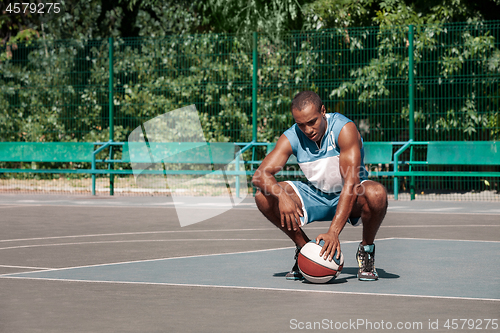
x,y
366,262
294,273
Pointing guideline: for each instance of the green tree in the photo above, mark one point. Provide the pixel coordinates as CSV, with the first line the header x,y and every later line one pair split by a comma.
x,y
446,58
177,67
245,16
324,14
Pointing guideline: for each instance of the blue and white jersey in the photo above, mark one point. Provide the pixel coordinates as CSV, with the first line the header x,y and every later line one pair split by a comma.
x,y
321,164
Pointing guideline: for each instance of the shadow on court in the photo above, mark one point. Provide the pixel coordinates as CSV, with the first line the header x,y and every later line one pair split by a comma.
x,y
352,274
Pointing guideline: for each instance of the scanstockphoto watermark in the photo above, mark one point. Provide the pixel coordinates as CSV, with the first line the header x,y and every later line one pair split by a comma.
x,y
357,324
168,152
318,185
329,173
454,324
171,153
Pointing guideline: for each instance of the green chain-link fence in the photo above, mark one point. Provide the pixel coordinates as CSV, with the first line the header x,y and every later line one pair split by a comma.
x,y
60,91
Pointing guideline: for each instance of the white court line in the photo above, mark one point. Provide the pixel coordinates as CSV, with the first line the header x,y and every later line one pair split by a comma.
x,y
256,288
394,210
124,205
443,209
442,239
144,241
158,259
12,276
182,257
130,233
424,226
2,205
440,226
230,230
391,210
488,212
26,267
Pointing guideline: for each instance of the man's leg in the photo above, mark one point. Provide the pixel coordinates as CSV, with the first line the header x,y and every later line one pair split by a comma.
x,y
371,205
268,205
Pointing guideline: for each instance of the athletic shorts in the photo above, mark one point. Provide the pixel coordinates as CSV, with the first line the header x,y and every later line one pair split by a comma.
x,y
317,205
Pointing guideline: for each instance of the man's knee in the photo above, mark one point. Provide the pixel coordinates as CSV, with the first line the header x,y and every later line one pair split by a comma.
x,y
378,190
375,195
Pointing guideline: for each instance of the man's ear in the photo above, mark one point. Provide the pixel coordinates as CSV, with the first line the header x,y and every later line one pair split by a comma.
x,y
323,110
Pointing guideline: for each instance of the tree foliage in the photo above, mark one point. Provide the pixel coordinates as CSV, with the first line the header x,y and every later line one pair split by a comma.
x,y
245,16
171,53
323,14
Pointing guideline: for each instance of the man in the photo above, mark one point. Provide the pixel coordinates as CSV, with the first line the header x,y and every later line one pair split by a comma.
x,y
329,150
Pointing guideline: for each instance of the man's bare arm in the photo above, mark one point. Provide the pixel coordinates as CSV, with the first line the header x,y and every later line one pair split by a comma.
x,y
265,181
272,164
349,160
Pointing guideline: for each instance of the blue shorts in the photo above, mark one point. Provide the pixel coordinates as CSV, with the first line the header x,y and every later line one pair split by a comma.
x,y
317,205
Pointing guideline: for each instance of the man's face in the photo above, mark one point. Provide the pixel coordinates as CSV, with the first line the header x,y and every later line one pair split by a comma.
x,y
311,121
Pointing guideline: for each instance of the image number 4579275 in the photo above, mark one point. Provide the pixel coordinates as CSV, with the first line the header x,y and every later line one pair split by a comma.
x,y
33,8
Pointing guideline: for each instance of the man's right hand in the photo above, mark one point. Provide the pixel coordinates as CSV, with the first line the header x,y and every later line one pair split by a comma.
x,y
290,212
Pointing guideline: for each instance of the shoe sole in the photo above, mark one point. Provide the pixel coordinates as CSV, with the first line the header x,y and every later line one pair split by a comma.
x,y
295,278
365,279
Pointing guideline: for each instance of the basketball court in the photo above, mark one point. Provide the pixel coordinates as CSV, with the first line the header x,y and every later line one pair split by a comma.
x,y
124,264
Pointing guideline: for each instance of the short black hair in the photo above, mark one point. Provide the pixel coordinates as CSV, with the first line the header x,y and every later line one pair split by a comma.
x,y
304,98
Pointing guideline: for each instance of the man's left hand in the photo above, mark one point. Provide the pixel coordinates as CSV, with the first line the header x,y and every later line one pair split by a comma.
x,y
331,245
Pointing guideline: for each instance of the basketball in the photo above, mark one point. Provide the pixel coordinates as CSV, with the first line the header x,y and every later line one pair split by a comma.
x,y
314,268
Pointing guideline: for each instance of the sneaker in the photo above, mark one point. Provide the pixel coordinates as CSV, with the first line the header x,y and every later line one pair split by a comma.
x,y
366,262
294,273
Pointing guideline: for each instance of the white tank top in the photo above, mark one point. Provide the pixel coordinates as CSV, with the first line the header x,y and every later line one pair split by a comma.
x,y
320,165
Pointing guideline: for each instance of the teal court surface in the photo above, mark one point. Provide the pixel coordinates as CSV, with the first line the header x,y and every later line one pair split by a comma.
x,y
454,269
83,264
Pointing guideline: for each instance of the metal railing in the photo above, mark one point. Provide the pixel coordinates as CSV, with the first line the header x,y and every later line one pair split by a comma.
x,y
423,83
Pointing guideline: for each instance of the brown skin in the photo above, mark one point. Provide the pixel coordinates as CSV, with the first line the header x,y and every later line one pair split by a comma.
x,y
282,206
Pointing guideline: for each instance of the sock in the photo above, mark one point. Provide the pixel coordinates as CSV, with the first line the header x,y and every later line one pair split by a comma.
x,y
369,248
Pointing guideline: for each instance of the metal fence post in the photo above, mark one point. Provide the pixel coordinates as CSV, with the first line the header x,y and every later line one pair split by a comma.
x,y
93,174
111,115
254,88
411,87
237,169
